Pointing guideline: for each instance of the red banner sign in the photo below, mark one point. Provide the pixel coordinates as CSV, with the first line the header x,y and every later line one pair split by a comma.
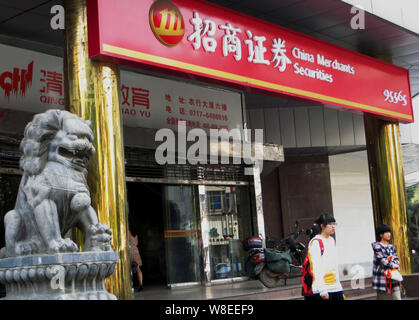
x,y
207,40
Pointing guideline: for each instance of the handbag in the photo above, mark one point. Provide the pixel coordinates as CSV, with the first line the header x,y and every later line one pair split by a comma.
x,y
392,274
396,275
134,266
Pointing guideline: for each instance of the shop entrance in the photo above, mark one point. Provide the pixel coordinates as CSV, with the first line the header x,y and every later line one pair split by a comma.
x,y
9,186
165,218
146,219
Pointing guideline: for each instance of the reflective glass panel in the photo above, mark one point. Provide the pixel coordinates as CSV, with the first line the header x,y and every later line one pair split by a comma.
x,y
181,234
229,223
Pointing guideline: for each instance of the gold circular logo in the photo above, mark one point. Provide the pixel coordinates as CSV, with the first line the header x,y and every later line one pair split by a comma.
x,y
167,22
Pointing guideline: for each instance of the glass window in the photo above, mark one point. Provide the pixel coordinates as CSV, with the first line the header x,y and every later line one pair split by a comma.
x,y
229,219
215,204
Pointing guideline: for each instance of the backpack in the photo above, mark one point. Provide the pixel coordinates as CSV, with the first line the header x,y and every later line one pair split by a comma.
x,y
307,278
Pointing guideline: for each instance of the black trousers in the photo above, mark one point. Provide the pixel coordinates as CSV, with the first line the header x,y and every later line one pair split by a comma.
x,y
332,296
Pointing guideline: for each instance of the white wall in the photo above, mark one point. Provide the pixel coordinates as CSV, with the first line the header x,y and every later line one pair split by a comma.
x,y
401,12
352,208
409,133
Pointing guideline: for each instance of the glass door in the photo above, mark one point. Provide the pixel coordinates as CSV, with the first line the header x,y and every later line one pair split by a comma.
x,y
229,222
181,234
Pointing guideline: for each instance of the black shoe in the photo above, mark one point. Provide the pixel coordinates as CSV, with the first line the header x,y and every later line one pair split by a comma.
x,y
139,288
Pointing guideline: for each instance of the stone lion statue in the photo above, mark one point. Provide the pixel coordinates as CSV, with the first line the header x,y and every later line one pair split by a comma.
x,y
53,195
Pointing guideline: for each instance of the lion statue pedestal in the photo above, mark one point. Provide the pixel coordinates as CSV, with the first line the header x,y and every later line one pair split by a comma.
x,y
39,261
63,276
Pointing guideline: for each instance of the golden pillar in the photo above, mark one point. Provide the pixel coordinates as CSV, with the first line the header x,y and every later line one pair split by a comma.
x,y
93,94
387,183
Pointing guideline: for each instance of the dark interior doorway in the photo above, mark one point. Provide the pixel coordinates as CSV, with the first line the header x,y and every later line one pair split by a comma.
x,y
146,219
9,186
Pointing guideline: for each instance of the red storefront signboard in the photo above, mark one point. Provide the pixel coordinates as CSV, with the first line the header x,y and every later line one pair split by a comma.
x,y
214,42
33,81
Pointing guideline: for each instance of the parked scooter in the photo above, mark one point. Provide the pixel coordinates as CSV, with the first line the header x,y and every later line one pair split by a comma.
x,y
270,265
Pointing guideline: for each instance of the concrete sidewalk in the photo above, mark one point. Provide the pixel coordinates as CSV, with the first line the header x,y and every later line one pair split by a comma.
x,y
249,290
237,290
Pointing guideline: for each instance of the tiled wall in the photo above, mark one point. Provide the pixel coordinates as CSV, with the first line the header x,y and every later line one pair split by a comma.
x,y
304,127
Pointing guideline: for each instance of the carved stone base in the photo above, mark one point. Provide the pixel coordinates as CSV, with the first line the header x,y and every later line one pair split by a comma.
x,y
63,276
